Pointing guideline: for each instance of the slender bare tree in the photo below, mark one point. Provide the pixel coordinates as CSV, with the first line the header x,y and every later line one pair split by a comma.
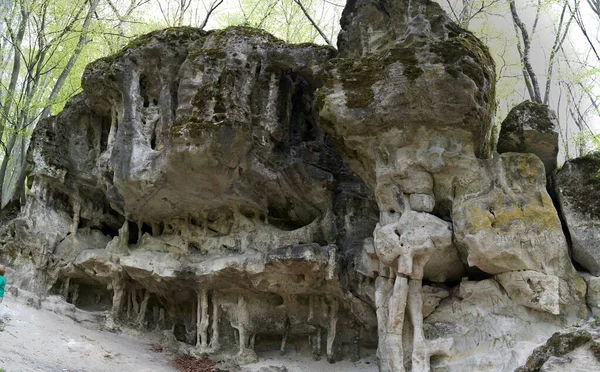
x,y
524,33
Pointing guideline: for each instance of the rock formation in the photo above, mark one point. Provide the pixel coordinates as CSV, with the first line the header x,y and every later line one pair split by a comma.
x,y
570,350
531,127
241,194
191,188
388,102
577,188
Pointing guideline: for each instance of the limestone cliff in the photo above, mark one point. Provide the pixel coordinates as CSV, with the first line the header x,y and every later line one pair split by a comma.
x,y
241,194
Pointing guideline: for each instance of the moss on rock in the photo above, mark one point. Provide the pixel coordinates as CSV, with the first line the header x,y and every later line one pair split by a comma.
x,y
359,76
463,53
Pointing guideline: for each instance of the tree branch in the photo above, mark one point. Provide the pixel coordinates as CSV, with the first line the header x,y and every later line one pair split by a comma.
x,y
213,6
313,22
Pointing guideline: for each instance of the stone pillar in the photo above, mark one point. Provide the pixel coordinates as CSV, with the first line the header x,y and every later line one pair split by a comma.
x,y
332,329
76,216
214,339
202,324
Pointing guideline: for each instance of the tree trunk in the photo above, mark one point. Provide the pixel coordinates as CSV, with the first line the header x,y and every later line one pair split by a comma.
x,y
526,47
14,77
83,40
556,46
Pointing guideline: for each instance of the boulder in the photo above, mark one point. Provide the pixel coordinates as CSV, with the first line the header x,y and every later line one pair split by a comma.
x,y
577,188
504,220
403,68
531,127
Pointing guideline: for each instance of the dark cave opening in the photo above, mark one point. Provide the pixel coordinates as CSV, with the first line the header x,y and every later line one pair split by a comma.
x,y
84,294
104,132
133,233
146,229
144,91
296,111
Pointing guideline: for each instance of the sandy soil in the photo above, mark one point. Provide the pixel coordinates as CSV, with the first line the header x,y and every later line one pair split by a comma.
x,y
41,340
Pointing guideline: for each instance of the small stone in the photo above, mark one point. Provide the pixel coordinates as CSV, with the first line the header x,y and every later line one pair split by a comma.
x,y
422,202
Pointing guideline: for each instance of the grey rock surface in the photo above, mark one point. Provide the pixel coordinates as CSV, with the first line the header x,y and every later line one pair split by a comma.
x,y
577,188
531,127
191,188
576,349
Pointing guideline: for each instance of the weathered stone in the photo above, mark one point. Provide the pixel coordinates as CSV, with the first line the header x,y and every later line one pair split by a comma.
x,y
431,298
577,187
490,331
592,296
405,56
532,289
422,202
531,127
566,351
190,188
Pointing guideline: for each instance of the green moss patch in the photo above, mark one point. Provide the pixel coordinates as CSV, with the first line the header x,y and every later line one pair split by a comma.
x,y
463,53
196,127
359,76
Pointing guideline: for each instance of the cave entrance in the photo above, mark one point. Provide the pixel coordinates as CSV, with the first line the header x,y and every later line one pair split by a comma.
x,y
88,297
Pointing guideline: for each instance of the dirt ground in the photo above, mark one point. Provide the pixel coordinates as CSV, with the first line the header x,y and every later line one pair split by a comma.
x,y
41,340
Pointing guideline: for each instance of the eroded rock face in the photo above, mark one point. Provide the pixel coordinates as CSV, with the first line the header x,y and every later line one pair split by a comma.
x,y
577,187
190,187
410,101
490,331
531,127
240,194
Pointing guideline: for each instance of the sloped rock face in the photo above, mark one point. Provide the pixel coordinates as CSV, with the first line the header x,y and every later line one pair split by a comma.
x,y
531,127
577,187
241,194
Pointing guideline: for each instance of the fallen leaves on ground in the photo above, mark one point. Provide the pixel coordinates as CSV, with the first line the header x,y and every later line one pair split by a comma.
x,y
189,363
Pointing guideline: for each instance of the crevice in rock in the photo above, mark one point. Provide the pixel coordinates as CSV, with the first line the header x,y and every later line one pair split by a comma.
x,y
153,138
133,233
144,91
145,229
174,103
551,188
104,133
